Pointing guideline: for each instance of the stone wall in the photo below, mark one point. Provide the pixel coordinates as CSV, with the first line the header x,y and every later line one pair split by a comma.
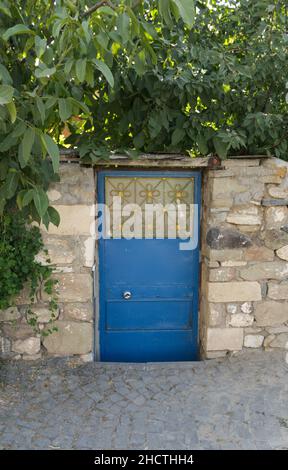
x,y
71,250
245,252
244,282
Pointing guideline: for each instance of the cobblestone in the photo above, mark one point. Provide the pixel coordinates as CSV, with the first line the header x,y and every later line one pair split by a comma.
x,y
237,402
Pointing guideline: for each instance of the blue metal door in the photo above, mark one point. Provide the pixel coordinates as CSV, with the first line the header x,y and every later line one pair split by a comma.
x,y
148,286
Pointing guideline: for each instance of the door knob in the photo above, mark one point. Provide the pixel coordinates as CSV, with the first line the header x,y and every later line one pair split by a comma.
x,y
127,295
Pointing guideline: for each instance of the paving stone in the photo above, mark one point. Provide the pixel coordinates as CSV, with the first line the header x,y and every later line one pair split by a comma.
x,y
237,402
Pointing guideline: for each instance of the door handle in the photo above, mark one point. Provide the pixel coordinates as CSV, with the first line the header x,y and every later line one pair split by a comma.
x,y
127,295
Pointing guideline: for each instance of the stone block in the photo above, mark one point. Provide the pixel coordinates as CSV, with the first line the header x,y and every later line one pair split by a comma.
x,y
246,215
224,186
278,291
278,192
253,341
233,263
213,264
5,346
266,270
71,338
247,307
274,202
221,274
226,255
279,341
275,239
61,251
217,314
220,239
221,204
18,331
88,251
28,346
271,313
78,311
283,252
239,320
275,217
43,314
234,291
275,330
75,220
251,330
232,308
77,186
259,253
74,287
276,164
9,314
240,162
219,339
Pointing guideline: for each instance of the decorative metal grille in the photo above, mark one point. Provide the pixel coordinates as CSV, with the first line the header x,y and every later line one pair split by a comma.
x,y
143,191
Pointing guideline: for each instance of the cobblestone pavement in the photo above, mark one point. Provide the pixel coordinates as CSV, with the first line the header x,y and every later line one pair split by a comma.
x,y
238,402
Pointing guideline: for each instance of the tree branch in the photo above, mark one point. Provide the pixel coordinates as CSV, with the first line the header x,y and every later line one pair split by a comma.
x,y
96,6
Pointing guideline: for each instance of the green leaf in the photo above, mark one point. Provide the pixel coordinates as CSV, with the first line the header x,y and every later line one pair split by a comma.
x,y
107,10
80,105
104,69
123,24
41,108
81,69
6,94
186,10
40,46
2,205
17,29
86,31
65,109
4,9
12,111
11,184
140,63
202,144
54,216
19,199
68,66
41,201
177,136
220,147
25,147
27,198
52,149
5,75
45,72
165,12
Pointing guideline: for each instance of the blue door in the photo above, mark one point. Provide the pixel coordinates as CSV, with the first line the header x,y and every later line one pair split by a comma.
x,y
148,285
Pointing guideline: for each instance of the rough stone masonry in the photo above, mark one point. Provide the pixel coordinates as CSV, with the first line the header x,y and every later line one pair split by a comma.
x,y
244,279
244,288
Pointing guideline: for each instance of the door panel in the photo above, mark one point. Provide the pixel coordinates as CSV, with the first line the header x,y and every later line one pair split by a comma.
x,y
132,314
149,346
159,322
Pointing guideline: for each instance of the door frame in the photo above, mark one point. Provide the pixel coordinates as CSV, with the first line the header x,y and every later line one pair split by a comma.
x,y
99,274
